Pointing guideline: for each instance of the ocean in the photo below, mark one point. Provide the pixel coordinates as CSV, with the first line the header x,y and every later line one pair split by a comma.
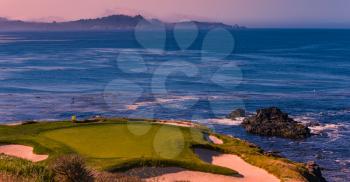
x,y
184,75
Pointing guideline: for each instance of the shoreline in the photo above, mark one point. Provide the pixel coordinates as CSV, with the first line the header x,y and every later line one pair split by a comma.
x,y
180,123
315,130
230,146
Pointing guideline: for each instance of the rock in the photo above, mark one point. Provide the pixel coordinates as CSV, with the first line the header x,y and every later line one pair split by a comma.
x,y
238,113
273,122
29,122
93,119
273,154
315,172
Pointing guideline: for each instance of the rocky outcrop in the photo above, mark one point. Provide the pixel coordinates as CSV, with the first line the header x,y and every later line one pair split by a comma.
x,y
238,113
315,174
273,122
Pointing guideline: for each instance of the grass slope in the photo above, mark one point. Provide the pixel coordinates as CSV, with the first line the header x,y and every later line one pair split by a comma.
x,y
14,169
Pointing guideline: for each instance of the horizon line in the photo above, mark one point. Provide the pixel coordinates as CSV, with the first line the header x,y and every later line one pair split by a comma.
x,y
63,20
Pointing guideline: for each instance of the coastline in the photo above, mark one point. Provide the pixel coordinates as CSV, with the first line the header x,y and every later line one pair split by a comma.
x,y
219,143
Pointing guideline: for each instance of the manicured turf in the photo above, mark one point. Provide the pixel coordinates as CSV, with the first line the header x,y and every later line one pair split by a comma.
x,y
126,140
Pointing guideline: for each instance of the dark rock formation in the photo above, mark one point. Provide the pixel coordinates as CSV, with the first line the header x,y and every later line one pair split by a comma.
x,y
273,154
236,114
315,174
273,122
29,122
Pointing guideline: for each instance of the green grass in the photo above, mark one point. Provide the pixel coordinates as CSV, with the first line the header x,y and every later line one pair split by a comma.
x,y
119,141
114,144
118,145
22,170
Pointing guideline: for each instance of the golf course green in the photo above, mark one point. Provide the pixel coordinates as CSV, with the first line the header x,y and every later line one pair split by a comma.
x,y
128,140
122,144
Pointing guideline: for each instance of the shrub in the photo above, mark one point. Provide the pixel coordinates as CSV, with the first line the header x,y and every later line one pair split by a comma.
x,y
71,168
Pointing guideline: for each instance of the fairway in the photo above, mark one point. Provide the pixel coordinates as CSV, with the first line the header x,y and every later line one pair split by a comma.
x,y
133,140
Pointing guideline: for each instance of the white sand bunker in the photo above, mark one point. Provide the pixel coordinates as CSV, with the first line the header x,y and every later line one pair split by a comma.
x,y
251,173
22,151
178,123
215,140
190,176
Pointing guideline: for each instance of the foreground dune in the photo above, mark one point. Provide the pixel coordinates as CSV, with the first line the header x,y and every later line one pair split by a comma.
x,y
22,151
250,172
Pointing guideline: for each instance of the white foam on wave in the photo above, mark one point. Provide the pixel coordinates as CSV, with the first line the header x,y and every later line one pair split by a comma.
x,y
332,129
304,119
225,121
8,39
176,99
136,105
326,128
168,100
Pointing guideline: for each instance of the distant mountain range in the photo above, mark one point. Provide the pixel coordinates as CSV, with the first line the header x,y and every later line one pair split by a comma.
x,y
114,22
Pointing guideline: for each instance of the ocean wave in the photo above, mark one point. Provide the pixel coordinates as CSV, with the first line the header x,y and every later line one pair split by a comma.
x,y
306,120
4,39
316,127
4,76
225,121
296,49
176,99
168,100
327,128
136,105
41,68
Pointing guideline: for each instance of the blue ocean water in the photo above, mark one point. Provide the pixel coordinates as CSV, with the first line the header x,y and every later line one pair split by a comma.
x,y
54,75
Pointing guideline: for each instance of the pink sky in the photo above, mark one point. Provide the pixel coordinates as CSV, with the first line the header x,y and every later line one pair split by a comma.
x,y
247,12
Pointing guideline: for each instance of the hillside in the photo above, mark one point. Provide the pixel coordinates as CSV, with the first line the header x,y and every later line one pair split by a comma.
x,y
114,22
